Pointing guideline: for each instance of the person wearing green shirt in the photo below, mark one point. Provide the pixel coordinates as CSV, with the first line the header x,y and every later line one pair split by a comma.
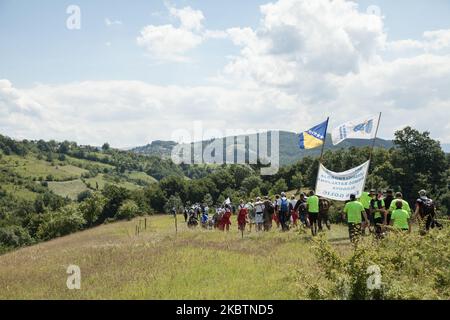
x,y
400,218
312,206
405,204
378,213
354,210
365,199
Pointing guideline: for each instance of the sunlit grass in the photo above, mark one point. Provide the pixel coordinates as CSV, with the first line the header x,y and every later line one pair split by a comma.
x,y
160,264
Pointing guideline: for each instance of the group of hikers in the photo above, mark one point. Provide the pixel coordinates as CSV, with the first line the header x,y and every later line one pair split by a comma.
x,y
373,211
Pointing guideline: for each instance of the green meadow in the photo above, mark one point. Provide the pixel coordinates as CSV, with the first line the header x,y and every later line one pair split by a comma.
x,y
116,263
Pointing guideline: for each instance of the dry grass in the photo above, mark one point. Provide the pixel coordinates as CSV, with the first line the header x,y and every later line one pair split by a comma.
x,y
157,264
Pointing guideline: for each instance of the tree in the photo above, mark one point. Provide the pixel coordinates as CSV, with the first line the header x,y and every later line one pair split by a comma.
x,y
278,187
92,207
156,197
62,222
251,183
173,202
105,146
416,153
127,210
208,200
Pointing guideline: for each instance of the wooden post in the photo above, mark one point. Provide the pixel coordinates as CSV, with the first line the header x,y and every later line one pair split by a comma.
x,y
145,223
176,224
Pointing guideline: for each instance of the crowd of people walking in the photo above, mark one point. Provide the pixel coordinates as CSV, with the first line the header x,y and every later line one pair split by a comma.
x,y
374,212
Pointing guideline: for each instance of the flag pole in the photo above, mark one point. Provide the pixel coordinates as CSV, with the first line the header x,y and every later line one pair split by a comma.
x,y
321,152
324,140
375,138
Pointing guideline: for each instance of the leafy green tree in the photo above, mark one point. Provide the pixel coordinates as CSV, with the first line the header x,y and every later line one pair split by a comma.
x,y
278,187
208,200
173,202
127,210
252,182
105,146
156,197
416,153
92,207
62,222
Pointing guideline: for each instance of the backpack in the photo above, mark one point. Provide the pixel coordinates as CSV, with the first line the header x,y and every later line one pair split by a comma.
x,y
427,207
324,205
284,205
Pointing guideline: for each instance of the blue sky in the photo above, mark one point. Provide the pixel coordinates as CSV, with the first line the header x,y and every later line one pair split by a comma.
x,y
41,61
37,46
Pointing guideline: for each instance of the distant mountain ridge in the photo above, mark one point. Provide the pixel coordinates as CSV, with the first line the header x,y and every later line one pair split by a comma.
x,y
289,149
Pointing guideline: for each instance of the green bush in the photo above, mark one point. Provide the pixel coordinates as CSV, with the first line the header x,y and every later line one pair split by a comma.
x,y
14,236
62,222
128,210
411,267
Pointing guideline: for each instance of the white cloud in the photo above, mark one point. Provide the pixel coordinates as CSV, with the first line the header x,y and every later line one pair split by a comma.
x,y
166,42
305,61
170,43
190,19
109,22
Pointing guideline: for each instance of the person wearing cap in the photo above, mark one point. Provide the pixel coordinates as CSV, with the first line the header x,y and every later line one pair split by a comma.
x,y
312,206
354,210
259,214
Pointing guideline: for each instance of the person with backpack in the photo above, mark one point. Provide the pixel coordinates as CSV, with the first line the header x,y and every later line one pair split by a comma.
x,y
354,210
300,207
324,207
242,216
259,214
378,213
400,218
425,212
226,218
283,214
268,212
312,206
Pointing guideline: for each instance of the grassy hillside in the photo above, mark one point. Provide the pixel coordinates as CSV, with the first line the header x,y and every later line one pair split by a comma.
x,y
157,264
115,263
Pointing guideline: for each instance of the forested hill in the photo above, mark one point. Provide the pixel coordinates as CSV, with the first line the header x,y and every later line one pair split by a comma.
x,y
289,150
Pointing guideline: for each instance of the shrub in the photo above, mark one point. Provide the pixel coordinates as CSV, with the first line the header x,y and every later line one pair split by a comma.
x,y
62,222
411,267
14,236
128,210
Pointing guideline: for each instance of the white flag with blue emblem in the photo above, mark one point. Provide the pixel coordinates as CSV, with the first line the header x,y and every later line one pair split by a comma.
x,y
363,128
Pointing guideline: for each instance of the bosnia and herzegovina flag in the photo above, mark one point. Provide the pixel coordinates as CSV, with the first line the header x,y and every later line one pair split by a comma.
x,y
313,137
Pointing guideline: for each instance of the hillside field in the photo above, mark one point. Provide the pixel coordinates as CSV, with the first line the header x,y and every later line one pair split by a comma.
x,y
158,264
